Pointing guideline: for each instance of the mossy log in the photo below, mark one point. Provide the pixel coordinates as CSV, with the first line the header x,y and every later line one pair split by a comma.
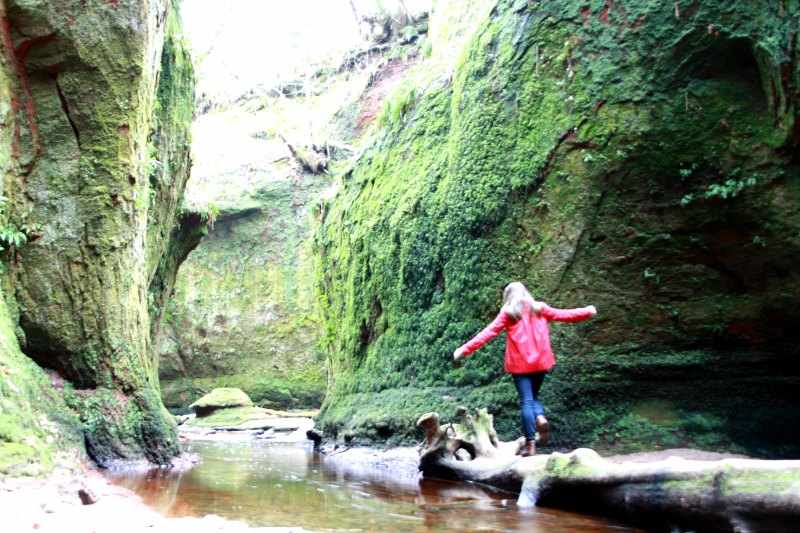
x,y
736,494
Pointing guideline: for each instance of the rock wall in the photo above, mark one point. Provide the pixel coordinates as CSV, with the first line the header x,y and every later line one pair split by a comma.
x,y
98,100
243,315
37,428
640,156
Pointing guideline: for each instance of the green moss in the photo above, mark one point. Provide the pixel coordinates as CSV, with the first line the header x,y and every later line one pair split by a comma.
x,y
558,154
119,427
243,313
395,109
586,464
36,427
171,234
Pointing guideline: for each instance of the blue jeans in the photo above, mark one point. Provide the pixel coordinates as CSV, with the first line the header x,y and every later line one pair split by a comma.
x,y
528,386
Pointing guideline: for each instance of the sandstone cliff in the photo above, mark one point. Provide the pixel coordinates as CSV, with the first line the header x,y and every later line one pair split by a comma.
x,y
97,99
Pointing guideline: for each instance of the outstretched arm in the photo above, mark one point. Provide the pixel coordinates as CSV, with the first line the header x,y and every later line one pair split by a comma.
x,y
489,332
568,315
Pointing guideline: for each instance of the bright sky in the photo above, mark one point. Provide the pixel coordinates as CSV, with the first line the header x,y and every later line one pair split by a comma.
x,y
243,43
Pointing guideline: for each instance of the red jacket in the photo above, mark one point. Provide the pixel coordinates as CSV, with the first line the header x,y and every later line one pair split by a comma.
x,y
528,339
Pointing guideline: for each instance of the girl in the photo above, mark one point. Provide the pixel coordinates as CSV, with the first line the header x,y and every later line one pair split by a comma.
x,y
528,354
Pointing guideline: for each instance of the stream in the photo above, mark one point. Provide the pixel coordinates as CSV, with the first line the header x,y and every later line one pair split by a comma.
x,y
288,485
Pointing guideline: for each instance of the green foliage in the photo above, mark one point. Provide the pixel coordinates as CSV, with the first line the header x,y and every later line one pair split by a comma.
x,y
209,214
395,53
395,108
730,188
11,236
409,32
650,275
152,164
427,48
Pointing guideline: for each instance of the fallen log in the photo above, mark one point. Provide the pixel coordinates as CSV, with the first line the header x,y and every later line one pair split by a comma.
x,y
733,494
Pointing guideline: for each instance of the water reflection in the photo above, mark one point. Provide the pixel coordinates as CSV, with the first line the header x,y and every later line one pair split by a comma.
x,y
288,486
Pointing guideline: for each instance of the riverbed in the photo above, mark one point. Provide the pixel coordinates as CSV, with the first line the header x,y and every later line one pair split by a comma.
x,y
290,485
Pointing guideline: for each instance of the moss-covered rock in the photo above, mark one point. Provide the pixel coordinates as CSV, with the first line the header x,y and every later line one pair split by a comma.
x,y
222,398
36,427
640,157
101,99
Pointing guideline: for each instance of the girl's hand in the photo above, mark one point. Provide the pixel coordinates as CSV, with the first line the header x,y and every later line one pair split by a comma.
x,y
458,354
592,309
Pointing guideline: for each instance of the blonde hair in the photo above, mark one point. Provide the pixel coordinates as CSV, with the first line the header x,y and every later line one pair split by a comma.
x,y
517,301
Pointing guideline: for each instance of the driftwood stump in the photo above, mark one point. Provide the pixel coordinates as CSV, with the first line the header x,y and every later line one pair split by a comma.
x,y
732,494
312,159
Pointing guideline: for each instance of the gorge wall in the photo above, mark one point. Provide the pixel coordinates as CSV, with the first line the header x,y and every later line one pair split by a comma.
x,y
97,100
244,313
640,156
243,310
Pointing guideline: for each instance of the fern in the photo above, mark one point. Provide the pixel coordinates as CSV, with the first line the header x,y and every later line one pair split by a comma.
x,y
11,236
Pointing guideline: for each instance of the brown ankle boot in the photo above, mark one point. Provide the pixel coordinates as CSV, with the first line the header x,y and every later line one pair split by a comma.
x,y
528,449
543,429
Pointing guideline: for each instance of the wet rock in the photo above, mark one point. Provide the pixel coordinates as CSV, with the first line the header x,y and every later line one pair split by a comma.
x,y
249,423
314,436
398,466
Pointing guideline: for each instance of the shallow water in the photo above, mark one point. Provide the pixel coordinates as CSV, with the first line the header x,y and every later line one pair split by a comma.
x,y
287,485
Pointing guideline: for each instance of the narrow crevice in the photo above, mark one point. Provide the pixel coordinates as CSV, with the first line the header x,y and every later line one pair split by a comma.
x,y
65,107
